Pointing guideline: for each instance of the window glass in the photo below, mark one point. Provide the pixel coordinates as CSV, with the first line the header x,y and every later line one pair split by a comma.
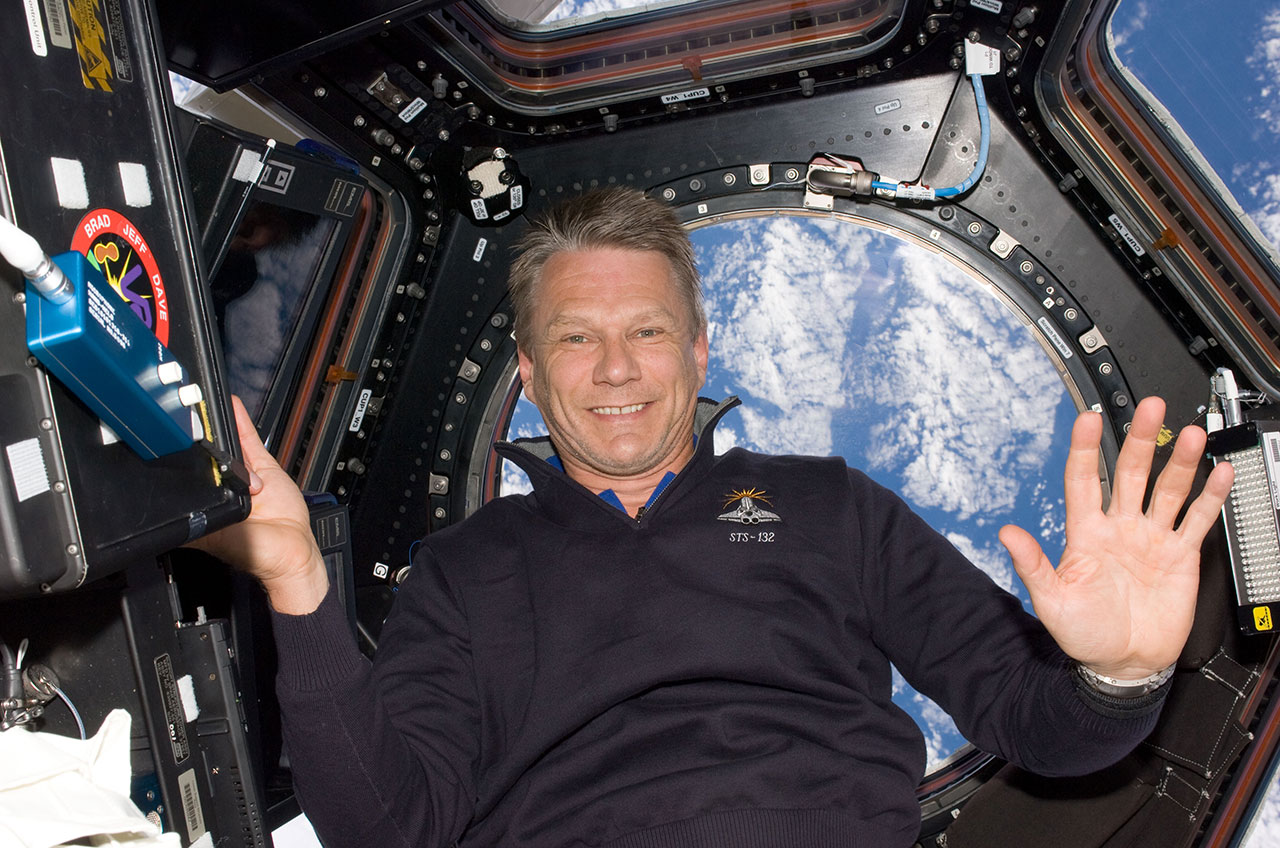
x,y
844,340
560,14
1215,67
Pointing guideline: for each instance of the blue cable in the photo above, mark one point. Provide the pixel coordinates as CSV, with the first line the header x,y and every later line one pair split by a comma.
x,y
984,122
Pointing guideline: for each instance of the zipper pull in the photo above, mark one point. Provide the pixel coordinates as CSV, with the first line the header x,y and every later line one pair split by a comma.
x,y
640,513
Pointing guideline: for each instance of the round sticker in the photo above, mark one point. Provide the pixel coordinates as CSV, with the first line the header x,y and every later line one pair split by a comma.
x,y
113,245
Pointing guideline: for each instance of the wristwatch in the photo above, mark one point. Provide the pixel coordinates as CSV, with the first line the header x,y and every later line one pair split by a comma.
x,y
1117,688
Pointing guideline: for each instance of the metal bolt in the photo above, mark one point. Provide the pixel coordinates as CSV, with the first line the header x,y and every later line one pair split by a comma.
x,y
321,91
668,194
1039,279
358,121
946,213
399,317
730,179
416,164
422,66
439,513
791,175
1105,368
1091,340
1070,314
473,112
73,550
1121,400
31,361
485,344
459,398
1026,266
448,428
975,228
397,149
444,135
59,487
446,455
20,297
695,184
46,424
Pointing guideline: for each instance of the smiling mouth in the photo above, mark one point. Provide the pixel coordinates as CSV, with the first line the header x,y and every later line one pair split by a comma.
x,y
618,410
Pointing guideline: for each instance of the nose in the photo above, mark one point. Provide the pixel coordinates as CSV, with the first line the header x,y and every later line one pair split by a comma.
x,y
617,364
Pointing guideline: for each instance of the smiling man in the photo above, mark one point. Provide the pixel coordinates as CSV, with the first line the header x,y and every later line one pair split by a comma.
x,y
664,647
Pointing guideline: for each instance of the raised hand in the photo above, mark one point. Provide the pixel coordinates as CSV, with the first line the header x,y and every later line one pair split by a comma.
x,y
274,544
1123,597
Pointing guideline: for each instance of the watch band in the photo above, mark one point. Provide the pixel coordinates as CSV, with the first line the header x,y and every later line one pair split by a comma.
x,y
1117,688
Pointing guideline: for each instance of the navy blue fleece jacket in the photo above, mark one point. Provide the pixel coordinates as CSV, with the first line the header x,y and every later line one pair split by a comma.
x,y
557,673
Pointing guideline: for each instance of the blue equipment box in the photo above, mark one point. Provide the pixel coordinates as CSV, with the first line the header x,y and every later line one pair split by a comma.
x,y
109,359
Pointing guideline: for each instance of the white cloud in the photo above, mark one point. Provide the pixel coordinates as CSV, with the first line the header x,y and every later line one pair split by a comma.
x,y
965,399
514,480
725,437
941,738
779,299
1265,830
1264,58
1141,11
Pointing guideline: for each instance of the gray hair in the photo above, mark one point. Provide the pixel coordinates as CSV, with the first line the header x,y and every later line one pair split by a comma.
x,y
615,217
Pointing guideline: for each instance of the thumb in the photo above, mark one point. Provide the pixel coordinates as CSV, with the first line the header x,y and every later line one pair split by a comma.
x,y
1030,562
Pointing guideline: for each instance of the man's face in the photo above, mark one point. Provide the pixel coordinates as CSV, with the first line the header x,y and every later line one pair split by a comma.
x,y
612,363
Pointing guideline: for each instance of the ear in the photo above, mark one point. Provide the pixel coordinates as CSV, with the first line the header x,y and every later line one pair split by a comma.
x,y
526,373
700,348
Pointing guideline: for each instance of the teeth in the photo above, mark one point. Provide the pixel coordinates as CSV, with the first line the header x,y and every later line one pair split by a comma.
x,y
618,410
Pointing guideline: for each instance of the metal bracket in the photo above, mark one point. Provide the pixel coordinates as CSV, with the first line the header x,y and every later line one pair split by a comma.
x,y
1003,244
1092,339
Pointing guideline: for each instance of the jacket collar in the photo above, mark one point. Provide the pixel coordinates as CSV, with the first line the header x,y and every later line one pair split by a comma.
x,y
568,502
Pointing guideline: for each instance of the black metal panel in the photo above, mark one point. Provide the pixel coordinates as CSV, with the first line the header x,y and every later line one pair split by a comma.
x,y
226,43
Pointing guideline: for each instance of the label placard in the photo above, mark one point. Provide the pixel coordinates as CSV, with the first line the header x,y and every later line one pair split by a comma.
x,y
1052,335
1129,238
175,716
692,94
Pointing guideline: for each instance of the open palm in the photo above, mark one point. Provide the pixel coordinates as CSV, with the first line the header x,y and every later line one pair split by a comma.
x,y
1122,598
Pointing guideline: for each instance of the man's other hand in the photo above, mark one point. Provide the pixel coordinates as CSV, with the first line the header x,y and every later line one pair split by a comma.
x,y
274,544
1123,597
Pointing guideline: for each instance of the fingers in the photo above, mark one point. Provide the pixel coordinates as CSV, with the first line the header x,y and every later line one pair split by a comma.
x,y
1204,510
1175,481
1031,564
1081,487
250,444
1133,466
